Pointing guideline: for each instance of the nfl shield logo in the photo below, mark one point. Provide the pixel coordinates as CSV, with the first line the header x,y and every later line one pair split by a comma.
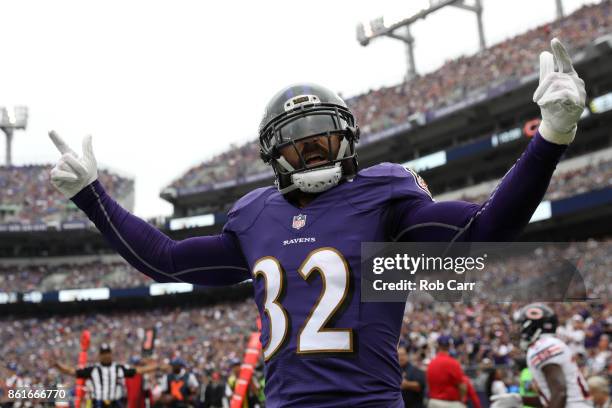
x,y
299,221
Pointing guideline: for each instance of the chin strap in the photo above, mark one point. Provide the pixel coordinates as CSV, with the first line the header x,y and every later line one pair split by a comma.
x,y
317,180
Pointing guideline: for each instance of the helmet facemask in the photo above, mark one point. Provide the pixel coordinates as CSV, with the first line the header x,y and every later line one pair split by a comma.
x,y
534,320
306,118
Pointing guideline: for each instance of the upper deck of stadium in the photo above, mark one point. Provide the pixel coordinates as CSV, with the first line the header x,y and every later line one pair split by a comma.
x,y
387,111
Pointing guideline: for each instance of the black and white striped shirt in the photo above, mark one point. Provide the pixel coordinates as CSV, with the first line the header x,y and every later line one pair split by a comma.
x,y
107,381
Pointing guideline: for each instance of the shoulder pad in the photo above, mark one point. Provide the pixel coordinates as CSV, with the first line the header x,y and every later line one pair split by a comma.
x,y
247,208
380,184
404,181
545,342
250,197
384,170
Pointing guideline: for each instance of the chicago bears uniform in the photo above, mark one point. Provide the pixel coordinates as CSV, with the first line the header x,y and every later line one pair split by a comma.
x,y
550,350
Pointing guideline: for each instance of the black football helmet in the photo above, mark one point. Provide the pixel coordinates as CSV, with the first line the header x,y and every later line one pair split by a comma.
x,y
534,320
300,112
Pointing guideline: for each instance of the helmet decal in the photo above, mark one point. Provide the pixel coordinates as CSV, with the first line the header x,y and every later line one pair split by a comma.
x,y
534,313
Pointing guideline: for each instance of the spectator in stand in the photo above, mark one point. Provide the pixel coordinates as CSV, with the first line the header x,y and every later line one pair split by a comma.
x,y
601,356
50,277
413,380
202,334
599,388
27,198
447,388
453,82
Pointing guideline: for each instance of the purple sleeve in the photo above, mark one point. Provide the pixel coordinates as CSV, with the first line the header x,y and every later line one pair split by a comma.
x,y
501,218
211,260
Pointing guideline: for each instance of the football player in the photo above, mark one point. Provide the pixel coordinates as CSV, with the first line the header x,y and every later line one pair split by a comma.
x,y
300,241
556,376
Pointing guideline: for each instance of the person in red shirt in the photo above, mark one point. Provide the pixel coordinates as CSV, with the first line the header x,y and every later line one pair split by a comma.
x,y
447,388
137,389
471,395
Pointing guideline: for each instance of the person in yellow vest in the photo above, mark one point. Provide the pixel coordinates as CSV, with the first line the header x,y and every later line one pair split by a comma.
x,y
251,400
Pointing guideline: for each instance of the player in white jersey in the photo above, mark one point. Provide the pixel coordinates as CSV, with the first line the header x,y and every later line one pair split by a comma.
x,y
557,378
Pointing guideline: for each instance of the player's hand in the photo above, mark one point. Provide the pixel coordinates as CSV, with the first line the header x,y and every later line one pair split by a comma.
x,y
508,400
561,95
73,173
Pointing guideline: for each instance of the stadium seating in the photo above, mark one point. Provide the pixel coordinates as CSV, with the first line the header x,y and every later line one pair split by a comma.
x,y
208,338
568,183
29,198
23,276
48,277
380,109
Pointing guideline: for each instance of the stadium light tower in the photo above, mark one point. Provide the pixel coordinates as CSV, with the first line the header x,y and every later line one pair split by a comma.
x,y
559,8
399,28
11,120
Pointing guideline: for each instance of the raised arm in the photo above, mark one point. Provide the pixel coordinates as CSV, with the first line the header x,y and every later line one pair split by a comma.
x,y
65,368
501,218
211,260
561,97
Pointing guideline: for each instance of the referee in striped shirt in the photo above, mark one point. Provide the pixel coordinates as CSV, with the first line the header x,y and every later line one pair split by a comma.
x,y
107,378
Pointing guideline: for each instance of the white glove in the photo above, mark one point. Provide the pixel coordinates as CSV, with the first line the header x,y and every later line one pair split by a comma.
x,y
508,400
73,173
560,95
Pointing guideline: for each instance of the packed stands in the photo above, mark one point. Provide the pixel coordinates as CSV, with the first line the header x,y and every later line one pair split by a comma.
x,y
208,338
29,198
455,80
46,277
23,276
567,183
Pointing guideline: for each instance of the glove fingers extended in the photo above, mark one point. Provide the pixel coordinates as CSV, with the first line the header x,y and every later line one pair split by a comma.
x,y
545,83
88,153
564,62
59,143
547,65
75,164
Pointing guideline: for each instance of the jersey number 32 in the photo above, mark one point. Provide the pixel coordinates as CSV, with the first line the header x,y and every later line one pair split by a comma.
x,y
313,336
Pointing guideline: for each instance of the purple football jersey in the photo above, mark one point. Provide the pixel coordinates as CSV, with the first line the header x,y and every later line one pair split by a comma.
x,y
323,347
321,343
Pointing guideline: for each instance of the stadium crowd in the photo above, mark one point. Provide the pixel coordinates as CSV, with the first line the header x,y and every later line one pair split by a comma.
x,y
567,183
50,277
28,197
455,80
210,339
595,258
